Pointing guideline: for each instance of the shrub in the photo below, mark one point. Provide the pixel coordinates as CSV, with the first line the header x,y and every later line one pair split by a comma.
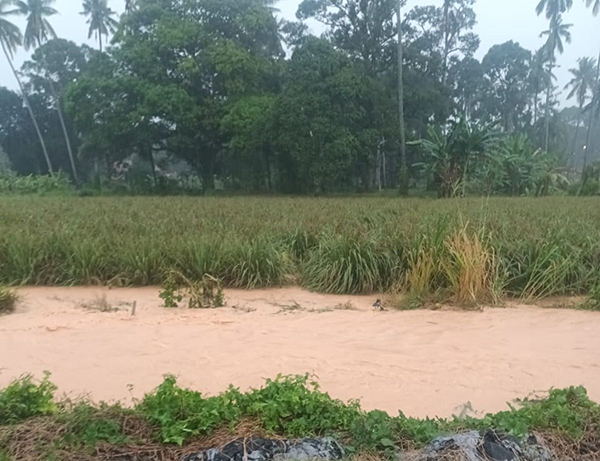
x,y
24,399
41,185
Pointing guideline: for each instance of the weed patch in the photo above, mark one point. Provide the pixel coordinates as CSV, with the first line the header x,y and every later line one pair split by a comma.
x,y
291,407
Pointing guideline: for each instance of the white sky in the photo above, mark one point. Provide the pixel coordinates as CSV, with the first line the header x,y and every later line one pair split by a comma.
x,y
498,21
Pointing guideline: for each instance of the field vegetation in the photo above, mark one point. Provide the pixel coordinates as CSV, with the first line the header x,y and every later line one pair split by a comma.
x,y
468,251
169,420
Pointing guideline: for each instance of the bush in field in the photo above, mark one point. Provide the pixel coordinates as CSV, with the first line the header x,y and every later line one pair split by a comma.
x,y
42,185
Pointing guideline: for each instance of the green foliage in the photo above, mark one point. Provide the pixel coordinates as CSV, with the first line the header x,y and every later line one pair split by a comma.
x,y
40,185
288,406
334,245
593,302
450,158
87,426
182,414
8,300
567,411
343,264
24,398
170,292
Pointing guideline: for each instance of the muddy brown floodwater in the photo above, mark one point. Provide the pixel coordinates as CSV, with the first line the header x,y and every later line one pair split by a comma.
x,y
424,363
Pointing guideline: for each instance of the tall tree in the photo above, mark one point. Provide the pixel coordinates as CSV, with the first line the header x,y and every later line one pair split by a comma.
x,y
506,70
539,80
595,7
553,8
557,34
363,30
458,18
595,104
581,84
100,18
38,31
10,39
404,179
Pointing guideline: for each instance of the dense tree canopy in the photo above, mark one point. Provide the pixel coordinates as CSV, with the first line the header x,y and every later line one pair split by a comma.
x,y
225,92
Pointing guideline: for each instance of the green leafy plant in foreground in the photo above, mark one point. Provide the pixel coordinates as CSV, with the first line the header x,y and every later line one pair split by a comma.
x,y
288,406
25,398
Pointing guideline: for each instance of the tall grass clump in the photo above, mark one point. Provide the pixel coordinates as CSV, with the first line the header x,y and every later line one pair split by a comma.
x,y
471,269
342,264
257,263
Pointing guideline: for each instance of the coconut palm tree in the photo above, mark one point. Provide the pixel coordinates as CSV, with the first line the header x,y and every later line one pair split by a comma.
x,y
10,39
595,104
539,79
100,19
581,84
553,8
595,4
557,34
38,31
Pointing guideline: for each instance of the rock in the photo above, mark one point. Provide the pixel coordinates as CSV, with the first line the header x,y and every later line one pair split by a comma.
x,y
467,443
491,446
259,449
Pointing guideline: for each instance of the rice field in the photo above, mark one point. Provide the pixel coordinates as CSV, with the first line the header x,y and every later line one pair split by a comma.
x,y
472,250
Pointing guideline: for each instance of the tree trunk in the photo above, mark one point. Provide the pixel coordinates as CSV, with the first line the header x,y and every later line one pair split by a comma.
x,y
403,164
378,167
588,136
152,165
268,168
60,117
446,41
535,107
100,41
548,90
576,137
30,110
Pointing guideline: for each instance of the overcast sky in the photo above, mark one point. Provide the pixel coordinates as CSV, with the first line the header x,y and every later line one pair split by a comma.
x,y
498,21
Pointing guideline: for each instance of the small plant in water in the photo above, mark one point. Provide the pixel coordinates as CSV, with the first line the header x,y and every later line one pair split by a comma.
x,y
100,304
8,300
170,293
204,294
593,302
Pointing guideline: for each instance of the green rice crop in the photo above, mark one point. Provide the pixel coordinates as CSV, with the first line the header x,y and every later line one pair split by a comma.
x,y
541,247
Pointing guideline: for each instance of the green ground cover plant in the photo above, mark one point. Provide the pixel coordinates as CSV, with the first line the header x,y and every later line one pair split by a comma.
x,y
171,417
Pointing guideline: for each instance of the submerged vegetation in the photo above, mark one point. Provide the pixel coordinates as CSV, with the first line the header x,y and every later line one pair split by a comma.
x,y
36,426
8,299
467,251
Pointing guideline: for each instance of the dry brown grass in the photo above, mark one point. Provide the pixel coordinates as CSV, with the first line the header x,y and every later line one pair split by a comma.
x,y
35,439
471,270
